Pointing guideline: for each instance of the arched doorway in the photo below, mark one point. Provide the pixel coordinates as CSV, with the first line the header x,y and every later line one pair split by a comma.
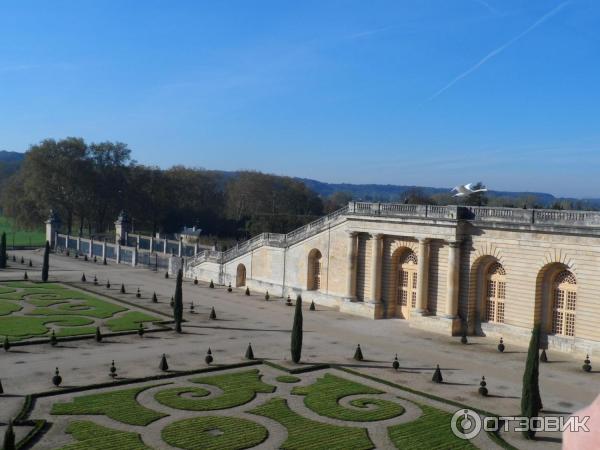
x,y
406,292
495,293
314,270
564,299
240,277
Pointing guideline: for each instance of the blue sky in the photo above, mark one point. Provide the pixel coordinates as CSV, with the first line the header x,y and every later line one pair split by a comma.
x,y
402,91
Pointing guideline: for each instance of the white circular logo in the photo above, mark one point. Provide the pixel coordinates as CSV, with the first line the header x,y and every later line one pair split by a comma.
x,y
465,424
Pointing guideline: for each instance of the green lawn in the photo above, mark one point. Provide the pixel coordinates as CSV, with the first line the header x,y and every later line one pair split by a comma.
x,y
19,237
91,436
214,433
119,405
238,388
287,379
323,398
54,306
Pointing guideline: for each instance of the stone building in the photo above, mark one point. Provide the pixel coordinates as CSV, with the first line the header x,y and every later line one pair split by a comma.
x,y
448,269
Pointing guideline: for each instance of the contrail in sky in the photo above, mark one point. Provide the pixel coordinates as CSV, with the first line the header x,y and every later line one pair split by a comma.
x,y
499,50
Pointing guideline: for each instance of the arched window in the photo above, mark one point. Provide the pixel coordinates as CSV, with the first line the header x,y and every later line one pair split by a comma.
x,y
407,283
495,293
314,270
564,296
240,276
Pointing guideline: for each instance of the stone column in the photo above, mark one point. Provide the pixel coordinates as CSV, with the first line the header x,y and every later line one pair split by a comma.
x,y
376,268
78,244
165,246
91,249
351,264
453,272
67,242
52,226
195,249
118,251
104,250
138,241
422,276
180,247
151,244
134,256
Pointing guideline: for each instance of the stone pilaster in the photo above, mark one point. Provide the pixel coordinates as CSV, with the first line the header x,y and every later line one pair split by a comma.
x,y
351,266
453,272
422,276
376,268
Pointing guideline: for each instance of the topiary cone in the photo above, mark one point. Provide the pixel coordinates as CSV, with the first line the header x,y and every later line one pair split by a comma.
x,y
288,301
25,277
56,379
22,260
501,346
249,352
208,358
587,367
6,344
396,364
247,290
9,438
543,356
141,330
463,339
195,280
154,298
98,335
30,263
95,281
267,295
482,387
211,285
213,314
113,370
1,388
172,302
192,308
358,353
95,259
437,375
166,274
123,289
107,284
85,257
53,340
83,279
138,294
312,306
104,261
229,288
163,363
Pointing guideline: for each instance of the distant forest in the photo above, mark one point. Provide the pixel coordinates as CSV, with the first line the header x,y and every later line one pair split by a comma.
x,y
89,184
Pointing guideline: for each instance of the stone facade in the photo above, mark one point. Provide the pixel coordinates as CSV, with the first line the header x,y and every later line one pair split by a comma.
x,y
448,269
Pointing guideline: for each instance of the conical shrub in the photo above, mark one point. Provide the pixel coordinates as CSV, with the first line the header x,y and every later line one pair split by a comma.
x,y
164,366
9,438
53,339
543,356
213,314
1,388
247,290
123,289
437,375
229,288
501,346
113,370
211,285
178,303
249,352
587,366
172,303
25,276
483,390
312,306
267,296
463,338
531,399
297,332
56,379
208,358
107,284
195,280
154,298
30,263
83,279
166,274
288,301
95,280
141,330
138,294
396,363
358,355
22,260
6,344
104,261
98,335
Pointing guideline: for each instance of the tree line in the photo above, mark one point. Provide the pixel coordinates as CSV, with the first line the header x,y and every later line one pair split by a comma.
x,y
89,184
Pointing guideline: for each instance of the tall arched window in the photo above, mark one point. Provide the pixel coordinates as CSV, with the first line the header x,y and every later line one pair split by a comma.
x,y
314,270
564,293
495,293
407,283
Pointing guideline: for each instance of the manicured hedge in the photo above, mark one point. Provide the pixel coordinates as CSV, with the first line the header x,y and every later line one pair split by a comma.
x,y
91,436
214,433
287,379
323,398
119,405
238,388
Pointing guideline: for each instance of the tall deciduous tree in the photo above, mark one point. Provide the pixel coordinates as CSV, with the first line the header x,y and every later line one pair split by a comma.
x,y
3,251
46,264
178,302
531,400
296,346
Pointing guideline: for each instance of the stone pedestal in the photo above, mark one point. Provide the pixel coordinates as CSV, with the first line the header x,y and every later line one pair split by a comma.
x,y
121,228
52,226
